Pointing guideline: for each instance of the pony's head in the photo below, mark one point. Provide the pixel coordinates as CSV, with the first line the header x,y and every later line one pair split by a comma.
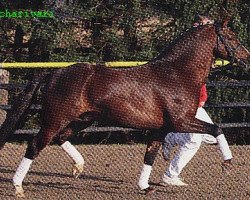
x,y
229,47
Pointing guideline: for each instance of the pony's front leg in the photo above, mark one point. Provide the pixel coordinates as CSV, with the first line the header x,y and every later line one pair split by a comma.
x,y
149,158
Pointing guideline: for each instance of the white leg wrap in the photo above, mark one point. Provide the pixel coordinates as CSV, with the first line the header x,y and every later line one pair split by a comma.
x,y
72,152
224,147
21,171
144,177
202,115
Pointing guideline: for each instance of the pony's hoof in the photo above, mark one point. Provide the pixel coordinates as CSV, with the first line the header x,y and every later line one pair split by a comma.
x,y
77,170
19,191
149,191
227,166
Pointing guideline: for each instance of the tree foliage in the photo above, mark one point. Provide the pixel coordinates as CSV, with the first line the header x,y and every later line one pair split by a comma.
x,y
117,29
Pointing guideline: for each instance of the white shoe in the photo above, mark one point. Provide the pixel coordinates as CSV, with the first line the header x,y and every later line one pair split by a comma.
x,y
173,181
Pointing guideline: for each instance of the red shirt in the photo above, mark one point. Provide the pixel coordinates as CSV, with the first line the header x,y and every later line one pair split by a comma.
x,y
203,95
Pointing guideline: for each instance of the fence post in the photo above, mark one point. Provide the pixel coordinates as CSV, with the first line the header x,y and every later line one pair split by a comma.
x,y
4,78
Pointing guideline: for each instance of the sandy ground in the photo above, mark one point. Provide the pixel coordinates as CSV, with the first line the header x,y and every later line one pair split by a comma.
x,y
112,171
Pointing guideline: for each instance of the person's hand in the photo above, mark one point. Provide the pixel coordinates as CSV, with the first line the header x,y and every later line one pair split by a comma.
x,y
202,103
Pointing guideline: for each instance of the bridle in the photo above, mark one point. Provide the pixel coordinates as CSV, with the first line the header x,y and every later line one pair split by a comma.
x,y
231,51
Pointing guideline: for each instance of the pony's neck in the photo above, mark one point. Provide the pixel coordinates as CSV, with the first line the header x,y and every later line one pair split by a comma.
x,y
189,44
191,53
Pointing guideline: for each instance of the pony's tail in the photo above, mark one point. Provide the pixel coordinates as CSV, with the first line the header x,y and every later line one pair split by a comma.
x,y
20,107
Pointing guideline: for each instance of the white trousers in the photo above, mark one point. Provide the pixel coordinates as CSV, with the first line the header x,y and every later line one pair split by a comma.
x,y
189,144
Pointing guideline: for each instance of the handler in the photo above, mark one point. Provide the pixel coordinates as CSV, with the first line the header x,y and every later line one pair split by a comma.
x,y
189,144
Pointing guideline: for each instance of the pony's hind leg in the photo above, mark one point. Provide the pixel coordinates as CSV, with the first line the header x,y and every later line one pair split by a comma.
x,y
39,142
76,156
83,122
71,151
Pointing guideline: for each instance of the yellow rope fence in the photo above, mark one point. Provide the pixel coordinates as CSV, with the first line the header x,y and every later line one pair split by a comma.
x,y
6,65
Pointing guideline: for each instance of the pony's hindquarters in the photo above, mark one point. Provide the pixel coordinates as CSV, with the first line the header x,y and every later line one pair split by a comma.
x,y
63,103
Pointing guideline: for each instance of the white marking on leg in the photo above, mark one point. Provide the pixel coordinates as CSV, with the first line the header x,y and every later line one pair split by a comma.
x,y
202,115
224,147
76,156
144,177
20,174
72,152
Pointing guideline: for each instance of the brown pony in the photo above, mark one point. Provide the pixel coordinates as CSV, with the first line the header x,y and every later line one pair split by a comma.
x,y
160,96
